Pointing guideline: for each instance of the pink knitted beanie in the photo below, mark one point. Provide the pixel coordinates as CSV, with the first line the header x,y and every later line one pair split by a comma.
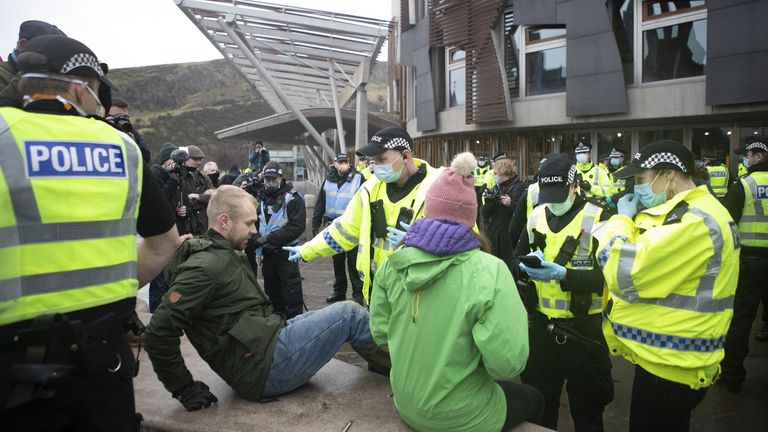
x,y
452,195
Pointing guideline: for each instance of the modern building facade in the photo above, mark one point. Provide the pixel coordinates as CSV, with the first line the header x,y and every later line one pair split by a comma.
x,y
532,77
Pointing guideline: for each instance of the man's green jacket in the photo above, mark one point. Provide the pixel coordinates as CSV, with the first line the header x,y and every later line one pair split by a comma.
x,y
215,300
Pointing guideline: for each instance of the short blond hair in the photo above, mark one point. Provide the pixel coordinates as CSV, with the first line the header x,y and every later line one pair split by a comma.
x,y
505,167
228,200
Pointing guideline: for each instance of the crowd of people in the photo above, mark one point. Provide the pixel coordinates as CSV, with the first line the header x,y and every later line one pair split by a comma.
x,y
463,277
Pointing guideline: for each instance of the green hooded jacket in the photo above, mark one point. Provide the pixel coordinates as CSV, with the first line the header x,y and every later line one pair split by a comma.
x,y
453,324
214,299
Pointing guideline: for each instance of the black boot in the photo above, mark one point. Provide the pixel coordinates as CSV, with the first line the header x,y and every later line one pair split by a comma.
x,y
335,298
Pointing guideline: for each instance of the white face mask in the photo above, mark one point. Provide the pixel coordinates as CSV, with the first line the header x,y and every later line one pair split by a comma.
x,y
582,158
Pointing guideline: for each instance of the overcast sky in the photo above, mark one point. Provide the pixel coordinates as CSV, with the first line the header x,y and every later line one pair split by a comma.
x,y
126,33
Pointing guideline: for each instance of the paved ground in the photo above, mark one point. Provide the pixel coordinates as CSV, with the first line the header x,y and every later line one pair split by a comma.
x,y
720,411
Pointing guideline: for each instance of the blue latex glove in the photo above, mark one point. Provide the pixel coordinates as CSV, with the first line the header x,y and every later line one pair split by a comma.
x,y
548,271
627,205
395,236
294,253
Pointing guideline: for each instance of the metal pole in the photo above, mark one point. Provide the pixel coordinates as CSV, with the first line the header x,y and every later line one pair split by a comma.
x,y
229,27
337,110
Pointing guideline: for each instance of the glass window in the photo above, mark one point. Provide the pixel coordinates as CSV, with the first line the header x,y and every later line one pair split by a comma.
x,y
649,136
622,16
656,9
512,43
538,145
675,51
619,140
713,142
545,71
571,140
539,34
457,87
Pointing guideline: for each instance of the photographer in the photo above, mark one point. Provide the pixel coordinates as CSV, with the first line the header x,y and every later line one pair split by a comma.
x,y
121,118
194,192
498,207
258,157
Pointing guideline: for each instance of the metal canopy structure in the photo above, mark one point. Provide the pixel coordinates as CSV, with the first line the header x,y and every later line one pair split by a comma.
x,y
296,58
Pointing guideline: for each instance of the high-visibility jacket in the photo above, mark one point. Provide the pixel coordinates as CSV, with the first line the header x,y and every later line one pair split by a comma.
x,y
596,176
69,194
614,185
366,172
337,196
552,300
753,225
532,197
278,219
353,228
489,182
718,179
480,173
742,170
671,301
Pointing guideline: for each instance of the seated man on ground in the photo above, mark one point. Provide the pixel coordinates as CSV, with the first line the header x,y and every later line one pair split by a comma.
x,y
215,300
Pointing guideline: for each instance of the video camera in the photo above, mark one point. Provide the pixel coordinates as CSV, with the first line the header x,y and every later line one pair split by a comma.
x,y
122,122
493,194
179,158
254,184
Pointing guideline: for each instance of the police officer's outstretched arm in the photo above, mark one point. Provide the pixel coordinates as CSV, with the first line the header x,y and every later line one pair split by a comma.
x,y
156,224
341,234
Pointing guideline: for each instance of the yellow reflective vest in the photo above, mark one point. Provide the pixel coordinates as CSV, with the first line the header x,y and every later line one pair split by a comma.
x,y
718,179
596,176
742,170
553,301
532,198
353,228
753,225
480,175
69,194
614,185
671,274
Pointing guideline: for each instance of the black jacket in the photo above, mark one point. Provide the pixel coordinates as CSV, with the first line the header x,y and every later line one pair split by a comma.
x,y
169,185
498,216
297,218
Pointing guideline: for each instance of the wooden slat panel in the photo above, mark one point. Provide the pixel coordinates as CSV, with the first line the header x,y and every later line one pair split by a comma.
x,y
485,93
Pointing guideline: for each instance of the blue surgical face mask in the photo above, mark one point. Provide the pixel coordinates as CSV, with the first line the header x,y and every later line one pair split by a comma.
x,y
496,180
582,158
745,161
559,209
648,198
615,162
386,172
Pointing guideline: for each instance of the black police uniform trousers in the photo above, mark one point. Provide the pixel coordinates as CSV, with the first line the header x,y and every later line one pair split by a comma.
x,y
343,263
479,197
660,405
585,371
751,288
93,401
282,283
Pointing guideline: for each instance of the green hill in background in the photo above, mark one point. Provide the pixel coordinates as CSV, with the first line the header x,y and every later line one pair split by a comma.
x,y
186,103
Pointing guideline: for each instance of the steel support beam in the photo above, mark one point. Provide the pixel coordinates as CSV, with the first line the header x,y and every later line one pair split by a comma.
x,y
337,110
229,25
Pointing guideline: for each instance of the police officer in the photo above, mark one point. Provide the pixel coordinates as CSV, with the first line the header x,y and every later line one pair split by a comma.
x,y
670,300
363,169
566,304
594,178
718,175
282,220
75,194
377,218
480,174
195,191
337,190
747,202
616,188
524,207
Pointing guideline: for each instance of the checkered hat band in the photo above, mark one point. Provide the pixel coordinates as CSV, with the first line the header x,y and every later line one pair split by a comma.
x,y
82,59
662,157
616,154
571,174
758,145
397,142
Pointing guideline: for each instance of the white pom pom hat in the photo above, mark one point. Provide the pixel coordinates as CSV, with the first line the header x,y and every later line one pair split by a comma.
x,y
452,195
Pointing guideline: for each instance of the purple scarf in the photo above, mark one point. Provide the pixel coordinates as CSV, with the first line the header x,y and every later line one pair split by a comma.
x,y
441,237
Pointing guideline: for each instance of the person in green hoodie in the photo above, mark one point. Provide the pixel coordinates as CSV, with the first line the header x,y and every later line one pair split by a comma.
x,y
452,320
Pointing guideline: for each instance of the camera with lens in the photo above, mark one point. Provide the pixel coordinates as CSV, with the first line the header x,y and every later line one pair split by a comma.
x,y
179,158
254,184
122,122
493,193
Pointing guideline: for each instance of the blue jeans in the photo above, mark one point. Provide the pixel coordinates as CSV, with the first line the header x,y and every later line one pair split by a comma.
x,y
157,289
310,340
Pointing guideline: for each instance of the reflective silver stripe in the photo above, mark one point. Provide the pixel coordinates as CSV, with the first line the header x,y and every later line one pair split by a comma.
x,y
344,233
535,194
65,231
133,166
385,246
565,305
758,219
585,243
67,280
758,207
703,301
753,236
12,162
